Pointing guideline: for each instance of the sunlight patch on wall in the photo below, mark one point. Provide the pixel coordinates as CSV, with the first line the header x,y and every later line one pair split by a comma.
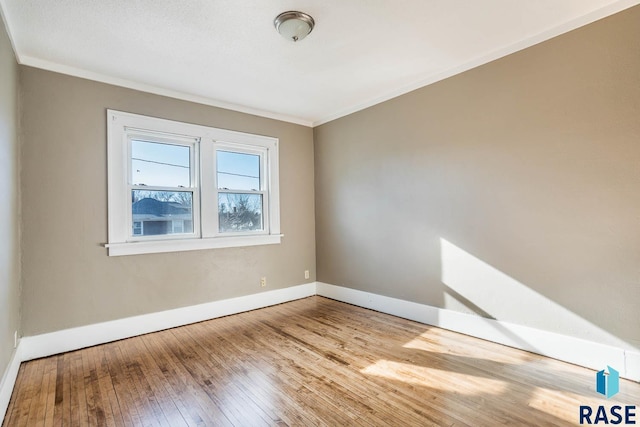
x,y
479,288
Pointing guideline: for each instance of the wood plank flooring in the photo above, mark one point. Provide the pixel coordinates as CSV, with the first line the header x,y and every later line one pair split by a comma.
x,y
311,362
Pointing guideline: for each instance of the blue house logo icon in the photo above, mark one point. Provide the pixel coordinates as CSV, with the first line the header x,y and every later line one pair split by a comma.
x,y
608,384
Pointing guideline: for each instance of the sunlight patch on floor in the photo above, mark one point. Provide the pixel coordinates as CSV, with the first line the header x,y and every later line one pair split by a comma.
x,y
439,379
428,342
557,403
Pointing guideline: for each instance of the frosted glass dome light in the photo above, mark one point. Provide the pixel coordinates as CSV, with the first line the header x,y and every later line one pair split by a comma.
x,y
294,25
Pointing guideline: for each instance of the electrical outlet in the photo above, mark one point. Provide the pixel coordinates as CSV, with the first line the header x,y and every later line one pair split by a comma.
x,y
15,339
263,282
306,274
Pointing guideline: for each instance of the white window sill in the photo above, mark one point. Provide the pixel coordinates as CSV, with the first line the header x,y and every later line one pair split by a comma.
x,y
159,246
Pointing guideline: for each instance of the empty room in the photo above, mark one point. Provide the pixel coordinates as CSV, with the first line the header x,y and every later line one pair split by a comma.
x,y
295,213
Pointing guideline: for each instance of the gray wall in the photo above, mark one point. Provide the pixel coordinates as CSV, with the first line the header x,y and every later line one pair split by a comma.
x,y
9,201
68,279
510,191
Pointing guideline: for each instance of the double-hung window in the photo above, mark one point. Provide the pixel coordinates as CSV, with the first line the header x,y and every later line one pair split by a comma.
x,y
240,188
176,186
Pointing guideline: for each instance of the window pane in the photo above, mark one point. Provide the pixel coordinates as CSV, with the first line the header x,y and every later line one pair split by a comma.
x,y
239,212
161,212
238,171
160,165
137,228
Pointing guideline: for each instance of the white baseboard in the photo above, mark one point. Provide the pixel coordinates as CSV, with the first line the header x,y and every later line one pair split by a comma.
x,y
9,380
562,347
34,347
632,365
37,346
569,349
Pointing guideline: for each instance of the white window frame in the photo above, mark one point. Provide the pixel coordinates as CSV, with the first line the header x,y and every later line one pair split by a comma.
x,y
123,127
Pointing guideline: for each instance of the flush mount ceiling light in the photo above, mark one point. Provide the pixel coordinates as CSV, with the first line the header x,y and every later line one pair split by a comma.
x,y
294,25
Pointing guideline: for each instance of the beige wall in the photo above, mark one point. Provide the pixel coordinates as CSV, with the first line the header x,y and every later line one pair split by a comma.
x,y
68,279
511,191
9,201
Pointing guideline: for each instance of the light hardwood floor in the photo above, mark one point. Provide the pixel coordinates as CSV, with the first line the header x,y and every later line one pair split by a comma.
x,y
313,361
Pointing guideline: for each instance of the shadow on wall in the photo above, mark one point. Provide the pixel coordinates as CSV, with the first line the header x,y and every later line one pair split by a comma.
x,y
472,285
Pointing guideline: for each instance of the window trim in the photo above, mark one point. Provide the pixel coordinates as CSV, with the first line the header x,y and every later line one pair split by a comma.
x,y
121,241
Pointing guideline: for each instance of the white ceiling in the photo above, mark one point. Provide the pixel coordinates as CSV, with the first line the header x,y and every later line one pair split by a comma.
x,y
227,52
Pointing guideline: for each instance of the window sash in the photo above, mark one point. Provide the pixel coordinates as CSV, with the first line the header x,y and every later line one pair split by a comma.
x,y
192,143
263,189
167,139
264,213
195,217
